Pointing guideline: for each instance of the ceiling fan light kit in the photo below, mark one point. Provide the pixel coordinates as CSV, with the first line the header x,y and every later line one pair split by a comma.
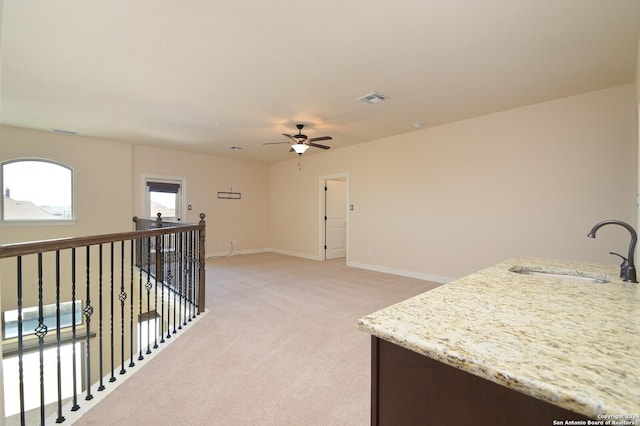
x,y
299,148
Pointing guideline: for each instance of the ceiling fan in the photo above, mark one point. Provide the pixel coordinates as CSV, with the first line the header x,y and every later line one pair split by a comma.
x,y
300,143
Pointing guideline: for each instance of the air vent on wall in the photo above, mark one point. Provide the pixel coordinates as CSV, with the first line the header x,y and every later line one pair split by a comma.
x,y
373,98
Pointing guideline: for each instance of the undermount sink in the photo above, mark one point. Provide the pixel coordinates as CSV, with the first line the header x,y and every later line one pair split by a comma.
x,y
560,274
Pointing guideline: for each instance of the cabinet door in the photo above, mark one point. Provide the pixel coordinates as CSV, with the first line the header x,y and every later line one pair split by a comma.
x,y
411,389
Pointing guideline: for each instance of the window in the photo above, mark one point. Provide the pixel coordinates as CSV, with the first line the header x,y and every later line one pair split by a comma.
x,y
164,197
30,318
36,190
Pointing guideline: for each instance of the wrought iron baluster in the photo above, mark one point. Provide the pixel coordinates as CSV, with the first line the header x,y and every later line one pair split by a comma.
x,y
148,287
186,278
190,273
195,273
20,342
88,311
155,301
140,266
131,347
162,319
195,268
41,332
170,255
113,367
122,296
181,321
100,273
60,418
76,406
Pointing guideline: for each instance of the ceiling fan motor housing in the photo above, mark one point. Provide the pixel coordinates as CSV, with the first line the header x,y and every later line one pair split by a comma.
x,y
300,136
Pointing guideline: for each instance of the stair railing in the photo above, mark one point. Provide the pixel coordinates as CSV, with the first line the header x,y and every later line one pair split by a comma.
x,y
77,311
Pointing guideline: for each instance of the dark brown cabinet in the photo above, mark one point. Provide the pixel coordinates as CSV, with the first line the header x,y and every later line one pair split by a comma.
x,y
410,389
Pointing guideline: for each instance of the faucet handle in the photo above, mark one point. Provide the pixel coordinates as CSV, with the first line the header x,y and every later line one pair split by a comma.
x,y
624,259
623,265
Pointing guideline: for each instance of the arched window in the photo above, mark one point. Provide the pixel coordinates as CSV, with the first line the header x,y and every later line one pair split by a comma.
x,y
36,190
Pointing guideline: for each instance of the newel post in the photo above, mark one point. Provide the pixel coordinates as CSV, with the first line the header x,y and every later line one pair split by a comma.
x,y
201,260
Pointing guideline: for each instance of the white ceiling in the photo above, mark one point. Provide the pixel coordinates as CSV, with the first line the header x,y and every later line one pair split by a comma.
x,y
204,75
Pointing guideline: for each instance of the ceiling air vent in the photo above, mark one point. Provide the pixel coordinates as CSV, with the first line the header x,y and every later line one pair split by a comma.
x,y
64,132
373,98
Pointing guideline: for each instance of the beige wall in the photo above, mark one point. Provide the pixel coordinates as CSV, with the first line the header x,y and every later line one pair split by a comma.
x,y
102,182
443,202
245,220
638,72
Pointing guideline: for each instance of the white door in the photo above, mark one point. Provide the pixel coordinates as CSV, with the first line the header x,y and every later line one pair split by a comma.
x,y
335,230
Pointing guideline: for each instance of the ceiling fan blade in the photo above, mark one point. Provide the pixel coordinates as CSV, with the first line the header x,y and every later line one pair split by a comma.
x,y
321,138
318,145
292,150
290,137
274,143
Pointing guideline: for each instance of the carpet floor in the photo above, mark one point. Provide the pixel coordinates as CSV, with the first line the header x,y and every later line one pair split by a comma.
x,y
279,345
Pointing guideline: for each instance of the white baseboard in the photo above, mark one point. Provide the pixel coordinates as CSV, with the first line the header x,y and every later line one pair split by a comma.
x,y
236,252
403,273
297,254
393,271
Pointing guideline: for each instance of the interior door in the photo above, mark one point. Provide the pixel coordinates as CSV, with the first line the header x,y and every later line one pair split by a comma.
x,y
335,219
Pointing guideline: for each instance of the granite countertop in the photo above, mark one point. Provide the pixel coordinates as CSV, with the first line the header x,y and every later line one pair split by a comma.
x,y
573,344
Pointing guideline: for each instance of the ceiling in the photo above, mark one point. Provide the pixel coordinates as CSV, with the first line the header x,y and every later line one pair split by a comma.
x,y
206,75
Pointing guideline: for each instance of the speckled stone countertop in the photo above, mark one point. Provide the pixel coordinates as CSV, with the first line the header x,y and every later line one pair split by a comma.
x,y
573,344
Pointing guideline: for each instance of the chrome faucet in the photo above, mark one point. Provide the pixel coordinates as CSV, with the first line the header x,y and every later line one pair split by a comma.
x,y
627,268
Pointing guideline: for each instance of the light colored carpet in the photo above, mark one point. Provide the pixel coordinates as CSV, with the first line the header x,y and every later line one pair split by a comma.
x,y
279,346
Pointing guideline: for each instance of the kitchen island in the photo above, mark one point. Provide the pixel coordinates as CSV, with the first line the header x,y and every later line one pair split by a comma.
x,y
504,347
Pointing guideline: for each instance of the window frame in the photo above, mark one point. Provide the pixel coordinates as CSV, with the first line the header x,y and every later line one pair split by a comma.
x,y
148,181
34,221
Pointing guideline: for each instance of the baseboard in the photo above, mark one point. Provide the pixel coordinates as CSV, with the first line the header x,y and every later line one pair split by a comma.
x,y
393,271
401,272
262,250
297,254
236,252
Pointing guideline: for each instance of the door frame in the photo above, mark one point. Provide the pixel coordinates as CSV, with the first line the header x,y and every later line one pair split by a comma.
x,y
171,179
321,209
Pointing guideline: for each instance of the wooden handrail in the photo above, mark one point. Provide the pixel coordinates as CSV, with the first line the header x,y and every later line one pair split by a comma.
x,y
33,247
